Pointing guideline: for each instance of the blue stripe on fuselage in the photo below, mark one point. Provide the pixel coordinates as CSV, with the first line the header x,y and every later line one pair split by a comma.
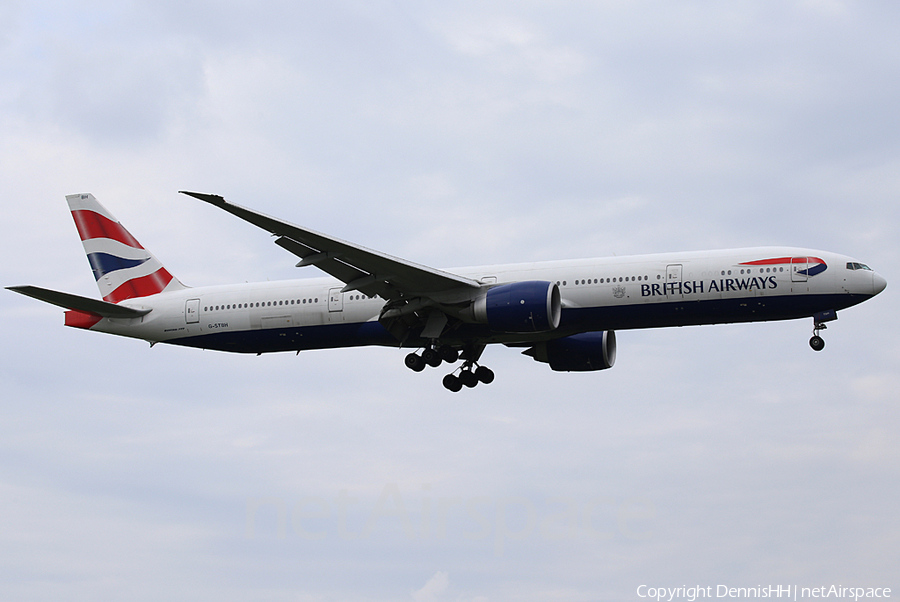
x,y
266,340
695,313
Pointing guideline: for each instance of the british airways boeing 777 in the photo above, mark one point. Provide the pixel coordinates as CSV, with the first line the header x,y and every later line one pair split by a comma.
x,y
563,313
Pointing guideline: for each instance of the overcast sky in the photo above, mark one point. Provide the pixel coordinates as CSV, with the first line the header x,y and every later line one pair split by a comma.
x,y
448,134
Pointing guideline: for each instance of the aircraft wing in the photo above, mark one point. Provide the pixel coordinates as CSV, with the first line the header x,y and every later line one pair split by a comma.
x,y
359,268
70,301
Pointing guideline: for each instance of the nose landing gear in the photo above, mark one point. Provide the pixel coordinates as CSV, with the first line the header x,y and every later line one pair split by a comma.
x,y
816,342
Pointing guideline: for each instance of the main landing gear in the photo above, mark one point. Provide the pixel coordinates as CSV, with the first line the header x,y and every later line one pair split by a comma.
x,y
470,373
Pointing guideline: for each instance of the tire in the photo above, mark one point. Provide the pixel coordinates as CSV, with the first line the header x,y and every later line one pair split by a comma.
x,y
484,374
451,383
431,357
817,343
448,354
467,378
414,362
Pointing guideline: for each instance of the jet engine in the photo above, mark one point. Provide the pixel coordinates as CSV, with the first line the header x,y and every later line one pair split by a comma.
x,y
583,352
520,307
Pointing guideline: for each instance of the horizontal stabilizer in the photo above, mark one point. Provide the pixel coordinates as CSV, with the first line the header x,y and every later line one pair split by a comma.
x,y
77,302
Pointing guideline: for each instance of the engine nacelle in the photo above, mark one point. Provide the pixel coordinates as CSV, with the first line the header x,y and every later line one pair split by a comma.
x,y
578,353
531,306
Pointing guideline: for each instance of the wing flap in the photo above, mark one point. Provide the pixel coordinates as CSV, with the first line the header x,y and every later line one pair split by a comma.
x,y
330,263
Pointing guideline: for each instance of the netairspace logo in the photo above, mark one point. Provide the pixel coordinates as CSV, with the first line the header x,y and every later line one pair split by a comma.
x,y
787,592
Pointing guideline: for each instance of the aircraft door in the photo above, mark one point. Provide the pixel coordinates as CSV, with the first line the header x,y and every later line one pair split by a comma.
x,y
799,267
192,311
335,300
673,281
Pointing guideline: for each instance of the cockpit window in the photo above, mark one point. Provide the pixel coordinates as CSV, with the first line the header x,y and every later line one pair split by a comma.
x,y
852,265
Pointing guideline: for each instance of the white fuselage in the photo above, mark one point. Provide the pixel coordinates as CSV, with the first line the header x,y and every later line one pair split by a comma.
x,y
672,289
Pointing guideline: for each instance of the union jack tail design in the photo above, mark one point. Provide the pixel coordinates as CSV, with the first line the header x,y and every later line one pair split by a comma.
x,y
122,267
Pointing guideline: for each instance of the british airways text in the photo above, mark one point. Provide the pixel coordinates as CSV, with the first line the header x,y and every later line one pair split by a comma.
x,y
699,286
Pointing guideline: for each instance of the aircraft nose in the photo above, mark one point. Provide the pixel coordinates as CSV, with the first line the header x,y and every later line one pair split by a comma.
x,y
878,283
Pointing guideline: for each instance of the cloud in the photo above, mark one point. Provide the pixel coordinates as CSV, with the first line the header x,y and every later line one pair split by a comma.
x,y
433,588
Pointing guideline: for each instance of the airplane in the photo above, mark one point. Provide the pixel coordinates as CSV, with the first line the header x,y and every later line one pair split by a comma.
x,y
561,313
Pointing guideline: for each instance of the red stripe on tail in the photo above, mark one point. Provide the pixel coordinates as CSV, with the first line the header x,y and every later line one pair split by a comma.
x,y
91,224
141,287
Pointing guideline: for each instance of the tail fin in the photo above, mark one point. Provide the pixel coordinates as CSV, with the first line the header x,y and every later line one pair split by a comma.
x,y
122,267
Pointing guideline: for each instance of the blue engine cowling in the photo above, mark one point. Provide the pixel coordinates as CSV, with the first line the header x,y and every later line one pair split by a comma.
x,y
578,353
531,306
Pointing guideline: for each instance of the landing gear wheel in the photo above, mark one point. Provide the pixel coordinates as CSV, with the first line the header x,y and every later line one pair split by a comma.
x,y
431,357
452,383
468,378
414,362
448,353
484,374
